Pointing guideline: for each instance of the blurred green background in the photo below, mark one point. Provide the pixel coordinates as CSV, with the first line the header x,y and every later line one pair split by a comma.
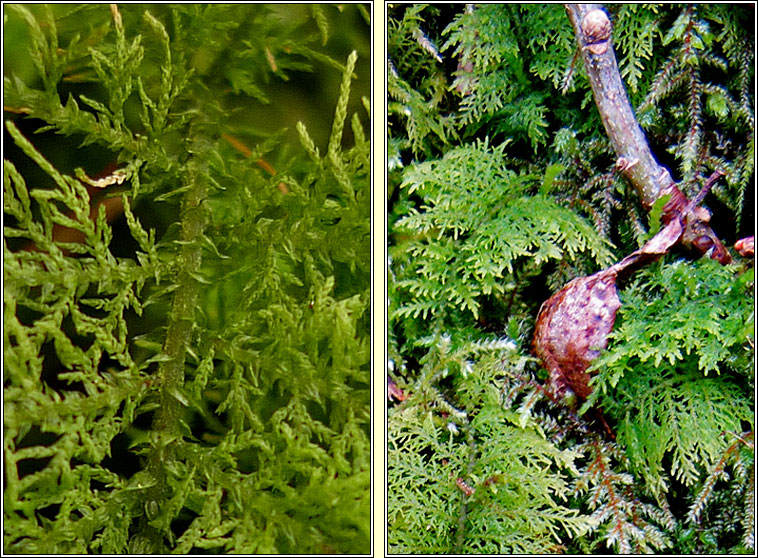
x,y
302,89
299,96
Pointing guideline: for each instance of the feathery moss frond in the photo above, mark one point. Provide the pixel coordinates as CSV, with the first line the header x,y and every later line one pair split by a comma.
x,y
194,377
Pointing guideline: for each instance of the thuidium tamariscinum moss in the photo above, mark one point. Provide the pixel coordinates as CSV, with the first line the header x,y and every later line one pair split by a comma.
x,y
186,279
506,185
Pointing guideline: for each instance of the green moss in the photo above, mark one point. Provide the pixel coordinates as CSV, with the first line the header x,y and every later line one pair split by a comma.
x,y
194,377
502,188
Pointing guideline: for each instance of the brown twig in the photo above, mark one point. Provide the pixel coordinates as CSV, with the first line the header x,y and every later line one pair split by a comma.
x,y
262,163
593,32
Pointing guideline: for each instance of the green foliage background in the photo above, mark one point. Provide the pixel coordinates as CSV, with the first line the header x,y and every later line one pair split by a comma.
x,y
193,376
502,188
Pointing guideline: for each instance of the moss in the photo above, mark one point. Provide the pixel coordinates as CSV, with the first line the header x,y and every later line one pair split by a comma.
x,y
502,189
186,343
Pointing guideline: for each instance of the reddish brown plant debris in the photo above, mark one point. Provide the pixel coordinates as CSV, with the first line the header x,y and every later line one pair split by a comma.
x,y
746,246
394,391
573,324
572,327
464,487
697,234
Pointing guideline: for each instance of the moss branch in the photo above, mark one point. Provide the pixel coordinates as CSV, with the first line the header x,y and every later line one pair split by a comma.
x,y
171,371
167,421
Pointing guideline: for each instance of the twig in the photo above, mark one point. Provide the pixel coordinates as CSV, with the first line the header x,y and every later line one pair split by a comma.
x,y
698,199
592,30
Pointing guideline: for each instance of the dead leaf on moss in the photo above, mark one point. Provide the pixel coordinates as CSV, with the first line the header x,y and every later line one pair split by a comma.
x,y
573,324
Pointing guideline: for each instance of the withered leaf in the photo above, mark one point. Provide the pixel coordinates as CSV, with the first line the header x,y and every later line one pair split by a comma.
x,y
573,324
746,246
573,327
394,391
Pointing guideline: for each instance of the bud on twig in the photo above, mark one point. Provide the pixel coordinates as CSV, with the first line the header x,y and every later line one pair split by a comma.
x,y
597,31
